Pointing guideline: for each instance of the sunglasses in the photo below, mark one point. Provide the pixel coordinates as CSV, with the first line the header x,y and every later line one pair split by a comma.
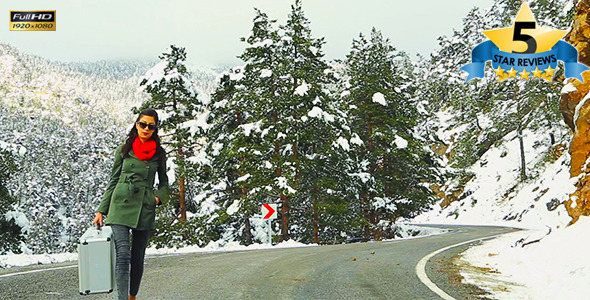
x,y
145,125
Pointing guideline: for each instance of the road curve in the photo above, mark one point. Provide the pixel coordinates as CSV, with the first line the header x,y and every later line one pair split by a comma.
x,y
378,270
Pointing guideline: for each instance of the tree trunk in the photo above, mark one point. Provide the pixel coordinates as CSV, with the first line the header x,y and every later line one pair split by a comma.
x,y
522,157
244,190
248,232
372,170
182,191
315,218
314,208
365,210
247,227
181,199
285,218
521,124
284,200
296,159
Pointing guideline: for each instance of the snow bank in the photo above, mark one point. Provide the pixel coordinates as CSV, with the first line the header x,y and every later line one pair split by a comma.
x,y
221,246
20,260
556,267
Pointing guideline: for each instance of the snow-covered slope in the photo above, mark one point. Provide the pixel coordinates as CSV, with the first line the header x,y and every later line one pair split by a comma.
x,y
494,196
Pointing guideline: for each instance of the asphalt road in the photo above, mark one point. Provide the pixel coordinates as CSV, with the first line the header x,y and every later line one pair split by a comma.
x,y
378,270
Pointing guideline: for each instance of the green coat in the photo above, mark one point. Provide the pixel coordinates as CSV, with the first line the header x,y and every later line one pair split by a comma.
x,y
129,198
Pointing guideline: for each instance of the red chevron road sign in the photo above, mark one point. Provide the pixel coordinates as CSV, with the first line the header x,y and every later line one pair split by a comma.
x,y
269,211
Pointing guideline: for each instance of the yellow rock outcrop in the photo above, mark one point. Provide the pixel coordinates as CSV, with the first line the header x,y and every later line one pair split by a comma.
x,y
580,145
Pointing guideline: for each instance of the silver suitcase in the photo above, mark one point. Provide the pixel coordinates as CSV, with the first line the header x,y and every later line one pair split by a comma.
x,y
96,261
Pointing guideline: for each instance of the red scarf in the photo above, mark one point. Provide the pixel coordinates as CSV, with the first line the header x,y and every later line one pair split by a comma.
x,y
144,151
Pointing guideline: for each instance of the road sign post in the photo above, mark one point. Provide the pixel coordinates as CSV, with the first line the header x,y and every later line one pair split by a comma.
x,y
269,231
269,213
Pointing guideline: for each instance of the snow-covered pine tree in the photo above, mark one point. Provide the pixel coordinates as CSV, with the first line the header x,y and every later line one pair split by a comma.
x,y
10,232
175,97
239,173
316,137
393,167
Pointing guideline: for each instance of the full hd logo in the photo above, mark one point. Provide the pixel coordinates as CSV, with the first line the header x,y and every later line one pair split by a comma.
x,y
525,49
32,20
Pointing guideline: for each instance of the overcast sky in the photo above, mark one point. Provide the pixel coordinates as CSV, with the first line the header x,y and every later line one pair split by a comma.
x,y
211,29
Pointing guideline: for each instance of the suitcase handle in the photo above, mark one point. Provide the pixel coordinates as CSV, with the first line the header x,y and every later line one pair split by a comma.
x,y
98,226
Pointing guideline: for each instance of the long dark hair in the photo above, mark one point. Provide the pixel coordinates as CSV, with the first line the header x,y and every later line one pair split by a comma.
x,y
160,152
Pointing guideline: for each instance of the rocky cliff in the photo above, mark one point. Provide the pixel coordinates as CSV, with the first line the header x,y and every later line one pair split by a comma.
x,y
576,113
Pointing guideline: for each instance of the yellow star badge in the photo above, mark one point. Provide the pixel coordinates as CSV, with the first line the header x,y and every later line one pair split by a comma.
x,y
537,73
525,36
499,71
512,73
524,74
549,71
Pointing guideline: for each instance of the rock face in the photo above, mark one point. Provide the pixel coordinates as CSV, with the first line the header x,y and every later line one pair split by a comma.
x,y
579,203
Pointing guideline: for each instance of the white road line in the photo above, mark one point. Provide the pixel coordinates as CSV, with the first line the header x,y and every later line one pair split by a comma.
x,y
421,267
37,271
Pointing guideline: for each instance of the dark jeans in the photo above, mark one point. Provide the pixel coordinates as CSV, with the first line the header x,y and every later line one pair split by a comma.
x,y
128,280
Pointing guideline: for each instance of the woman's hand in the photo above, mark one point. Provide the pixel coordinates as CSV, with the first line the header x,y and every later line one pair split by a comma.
x,y
97,219
157,200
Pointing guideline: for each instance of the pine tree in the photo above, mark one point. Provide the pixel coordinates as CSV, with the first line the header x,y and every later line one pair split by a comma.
x,y
174,95
316,131
392,166
239,174
10,232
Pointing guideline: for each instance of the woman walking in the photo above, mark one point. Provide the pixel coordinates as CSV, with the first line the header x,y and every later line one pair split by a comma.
x,y
130,201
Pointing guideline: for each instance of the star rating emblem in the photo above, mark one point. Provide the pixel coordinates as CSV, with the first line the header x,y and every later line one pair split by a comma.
x,y
525,49
524,33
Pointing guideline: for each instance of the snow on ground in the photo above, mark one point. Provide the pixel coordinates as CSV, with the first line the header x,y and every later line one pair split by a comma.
x,y
556,267
20,260
405,231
